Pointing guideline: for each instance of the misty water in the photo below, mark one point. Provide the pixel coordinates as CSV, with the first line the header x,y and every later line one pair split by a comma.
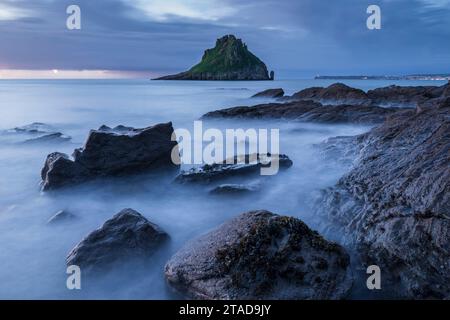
x,y
32,253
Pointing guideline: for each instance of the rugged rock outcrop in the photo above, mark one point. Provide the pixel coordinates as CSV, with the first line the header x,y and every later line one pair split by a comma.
x,y
261,255
409,96
238,166
111,152
394,205
337,93
228,60
270,93
399,96
126,235
307,110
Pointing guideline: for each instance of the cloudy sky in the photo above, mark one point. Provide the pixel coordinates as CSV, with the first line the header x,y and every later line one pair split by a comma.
x,y
296,38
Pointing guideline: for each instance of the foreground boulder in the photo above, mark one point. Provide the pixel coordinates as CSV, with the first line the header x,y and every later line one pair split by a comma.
x,y
308,111
126,235
230,59
270,93
394,205
111,152
261,255
237,166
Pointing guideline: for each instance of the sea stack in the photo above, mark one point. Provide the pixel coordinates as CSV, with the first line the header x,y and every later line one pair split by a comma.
x,y
230,59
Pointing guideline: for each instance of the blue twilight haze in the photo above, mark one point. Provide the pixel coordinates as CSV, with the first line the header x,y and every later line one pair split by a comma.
x,y
296,38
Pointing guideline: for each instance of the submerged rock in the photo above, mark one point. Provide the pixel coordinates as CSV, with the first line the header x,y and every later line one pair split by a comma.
x,y
394,205
270,93
61,217
238,166
36,133
261,255
57,137
111,152
230,59
126,235
235,189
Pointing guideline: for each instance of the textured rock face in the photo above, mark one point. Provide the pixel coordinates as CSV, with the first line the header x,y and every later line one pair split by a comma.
x,y
404,95
239,166
270,93
260,255
110,152
228,60
336,93
306,110
394,205
127,234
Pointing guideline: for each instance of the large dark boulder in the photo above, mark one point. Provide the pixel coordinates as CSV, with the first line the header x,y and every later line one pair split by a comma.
x,y
126,235
394,204
261,255
110,152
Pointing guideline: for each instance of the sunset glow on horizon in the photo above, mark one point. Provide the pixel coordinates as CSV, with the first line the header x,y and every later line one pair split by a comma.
x,y
72,74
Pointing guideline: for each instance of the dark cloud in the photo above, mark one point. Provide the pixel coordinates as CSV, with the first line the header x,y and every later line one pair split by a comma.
x,y
294,37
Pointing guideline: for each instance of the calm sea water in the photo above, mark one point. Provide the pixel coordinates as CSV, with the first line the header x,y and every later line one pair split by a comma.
x,y
32,253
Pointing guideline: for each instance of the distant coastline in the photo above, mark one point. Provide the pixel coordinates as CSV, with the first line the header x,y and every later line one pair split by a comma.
x,y
406,77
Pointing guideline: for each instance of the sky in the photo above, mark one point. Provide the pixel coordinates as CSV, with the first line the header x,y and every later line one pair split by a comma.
x,y
295,38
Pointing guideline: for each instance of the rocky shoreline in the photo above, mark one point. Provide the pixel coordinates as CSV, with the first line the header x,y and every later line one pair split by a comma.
x,y
392,208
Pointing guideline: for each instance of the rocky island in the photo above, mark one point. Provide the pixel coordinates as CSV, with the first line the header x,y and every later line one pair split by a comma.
x,y
230,59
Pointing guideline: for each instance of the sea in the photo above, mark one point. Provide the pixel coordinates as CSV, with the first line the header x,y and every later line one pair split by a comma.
x,y
33,252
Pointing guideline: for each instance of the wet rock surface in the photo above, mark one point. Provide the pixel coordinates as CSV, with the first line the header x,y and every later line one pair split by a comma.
x,y
126,235
270,93
394,205
235,189
237,166
308,111
261,255
111,152
60,217
337,93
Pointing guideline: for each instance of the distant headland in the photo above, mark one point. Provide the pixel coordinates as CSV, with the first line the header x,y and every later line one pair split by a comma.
x,y
406,77
230,59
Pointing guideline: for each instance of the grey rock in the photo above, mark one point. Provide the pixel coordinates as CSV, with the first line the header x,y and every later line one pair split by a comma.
x,y
112,152
238,166
270,93
61,217
308,111
126,235
57,137
394,204
261,255
235,189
